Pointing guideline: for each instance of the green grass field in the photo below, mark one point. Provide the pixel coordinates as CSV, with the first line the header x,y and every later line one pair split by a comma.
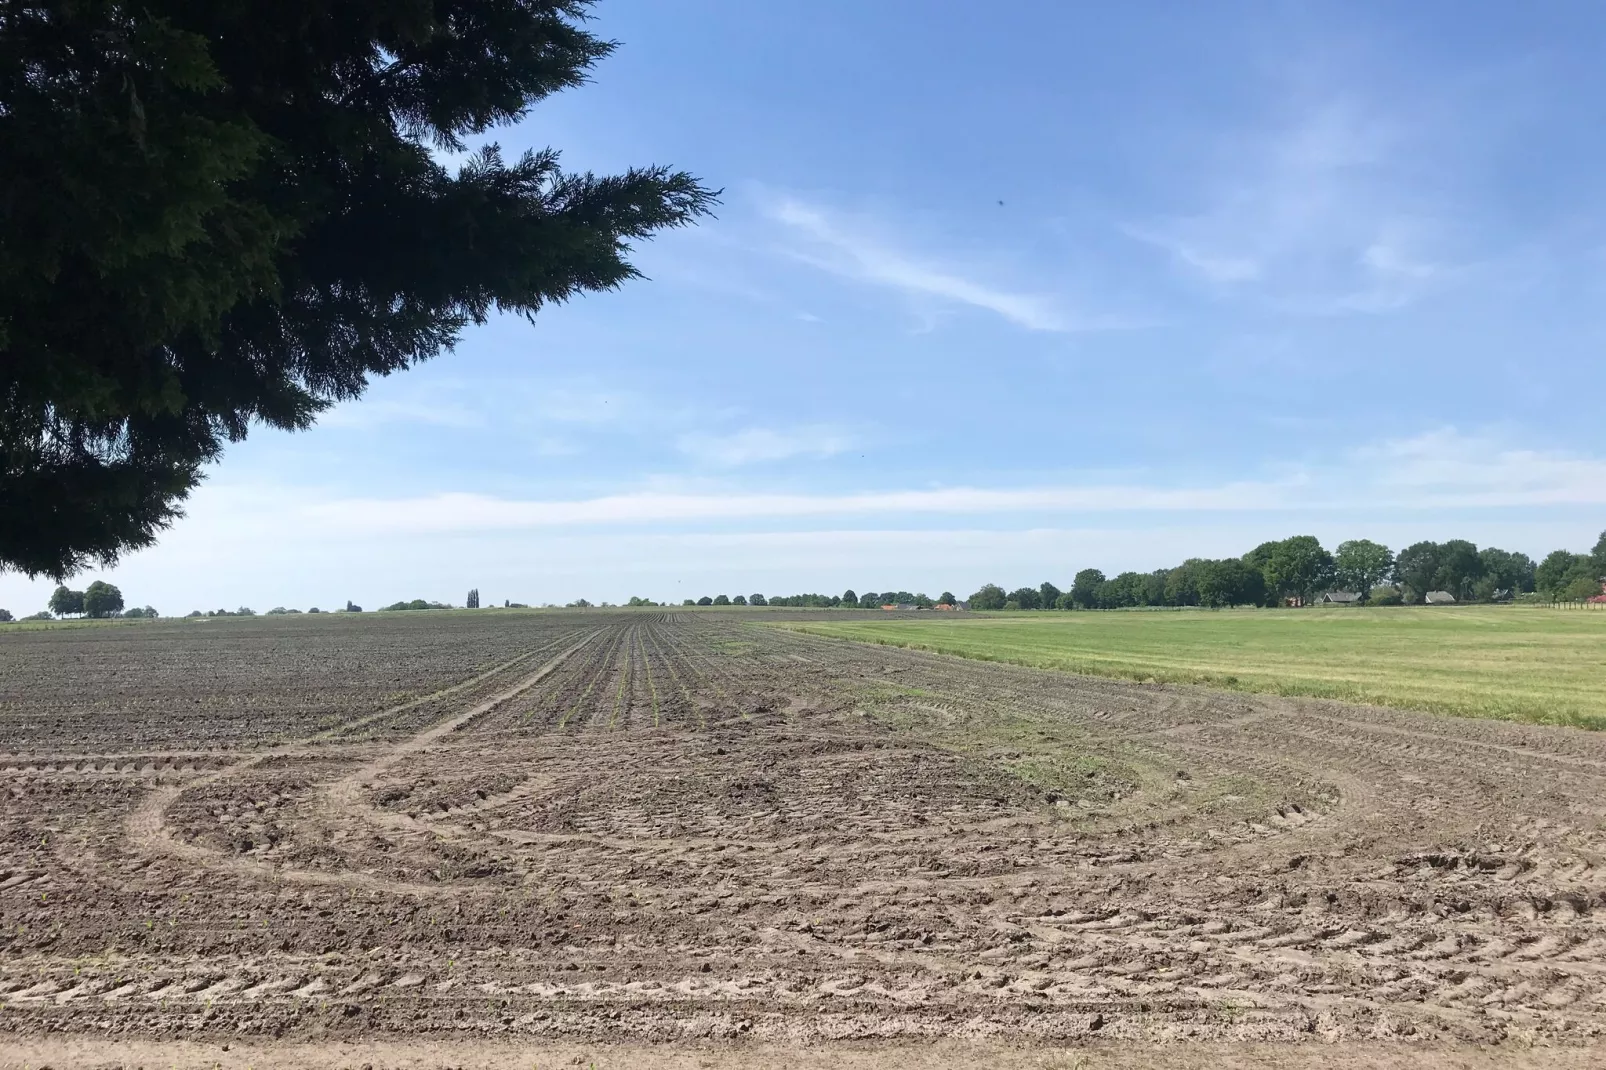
x,y
1516,663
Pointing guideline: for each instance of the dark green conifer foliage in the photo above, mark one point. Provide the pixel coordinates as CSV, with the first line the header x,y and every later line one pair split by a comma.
x,y
217,213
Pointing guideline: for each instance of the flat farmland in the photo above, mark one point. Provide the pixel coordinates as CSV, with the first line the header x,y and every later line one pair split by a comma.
x,y
638,839
1516,663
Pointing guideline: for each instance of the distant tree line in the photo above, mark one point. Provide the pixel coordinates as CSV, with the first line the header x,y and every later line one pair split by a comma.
x,y
846,600
1299,569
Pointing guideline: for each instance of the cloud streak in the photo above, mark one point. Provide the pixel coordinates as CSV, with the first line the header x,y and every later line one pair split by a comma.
x,y
756,445
1321,216
851,254
1438,470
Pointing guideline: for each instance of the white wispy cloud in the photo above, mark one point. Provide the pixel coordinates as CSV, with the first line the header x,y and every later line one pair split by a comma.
x,y
1321,215
474,512
1440,469
1447,468
754,445
852,253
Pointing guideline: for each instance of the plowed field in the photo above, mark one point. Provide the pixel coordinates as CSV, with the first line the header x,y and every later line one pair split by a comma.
x,y
666,840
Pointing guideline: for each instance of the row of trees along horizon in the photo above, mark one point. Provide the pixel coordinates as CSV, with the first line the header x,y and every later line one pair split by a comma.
x,y
1283,572
1296,570
1290,571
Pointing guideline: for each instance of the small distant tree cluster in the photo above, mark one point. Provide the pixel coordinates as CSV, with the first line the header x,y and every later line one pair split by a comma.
x,y
66,603
99,600
804,601
990,596
6,617
473,599
352,607
417,603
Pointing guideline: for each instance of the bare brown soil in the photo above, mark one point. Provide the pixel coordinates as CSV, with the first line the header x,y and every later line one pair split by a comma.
x,y
684,840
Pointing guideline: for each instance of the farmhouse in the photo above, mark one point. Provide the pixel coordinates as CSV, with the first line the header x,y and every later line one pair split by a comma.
x,y
1340,598
1440,598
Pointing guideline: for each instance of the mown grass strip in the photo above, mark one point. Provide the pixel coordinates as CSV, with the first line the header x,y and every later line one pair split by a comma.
x,y
1537,665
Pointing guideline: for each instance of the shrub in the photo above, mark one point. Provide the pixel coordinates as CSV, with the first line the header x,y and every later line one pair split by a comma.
x,y
5,616
1580,589
1385,596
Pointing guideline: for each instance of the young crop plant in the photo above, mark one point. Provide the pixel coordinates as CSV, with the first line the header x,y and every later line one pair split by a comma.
x,y
646,668
680,685
624,678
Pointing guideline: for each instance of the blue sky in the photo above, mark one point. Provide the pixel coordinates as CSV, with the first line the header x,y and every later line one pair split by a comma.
x,y
993,298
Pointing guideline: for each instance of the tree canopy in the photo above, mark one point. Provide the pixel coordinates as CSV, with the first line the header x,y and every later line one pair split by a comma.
x,y
101,599
1417,568
1298,566
218,215
66,603
1361,564
991,596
